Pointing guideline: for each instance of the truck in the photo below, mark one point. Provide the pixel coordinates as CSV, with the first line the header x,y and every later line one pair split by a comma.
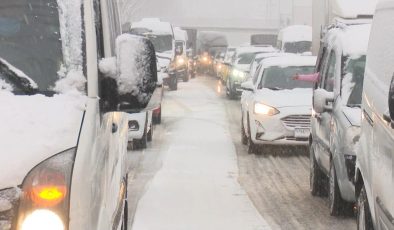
x,y
349,12
161,34
295,39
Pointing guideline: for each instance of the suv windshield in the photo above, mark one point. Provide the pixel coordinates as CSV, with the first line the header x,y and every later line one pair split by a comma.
x,y
30,40
278,78
245,58
162,43
297,47
352,81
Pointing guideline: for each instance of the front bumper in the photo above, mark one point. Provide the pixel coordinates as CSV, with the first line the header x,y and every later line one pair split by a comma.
x,y
290,127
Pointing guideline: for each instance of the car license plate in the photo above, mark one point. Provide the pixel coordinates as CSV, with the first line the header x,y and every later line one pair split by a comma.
x,y
301,132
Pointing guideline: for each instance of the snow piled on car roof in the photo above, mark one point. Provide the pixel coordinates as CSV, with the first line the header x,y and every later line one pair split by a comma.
x,y
289,60
353,40
255,49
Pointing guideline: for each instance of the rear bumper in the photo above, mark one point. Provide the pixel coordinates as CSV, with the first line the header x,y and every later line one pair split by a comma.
x,y
140,118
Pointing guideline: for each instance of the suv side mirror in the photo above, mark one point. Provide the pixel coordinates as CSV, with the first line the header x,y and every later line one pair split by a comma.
x,y
130,77
391,99
321,98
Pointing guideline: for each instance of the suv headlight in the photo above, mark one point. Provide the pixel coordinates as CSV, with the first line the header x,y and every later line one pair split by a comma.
x,y
239,74
263,109
45,199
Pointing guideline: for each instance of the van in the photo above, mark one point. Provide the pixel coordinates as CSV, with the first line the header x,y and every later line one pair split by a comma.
x,y
337,115
375,159
65,84
162,36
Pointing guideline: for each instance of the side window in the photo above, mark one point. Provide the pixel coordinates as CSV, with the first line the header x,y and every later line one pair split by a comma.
x,y
260,86
99,30
256,75
329,76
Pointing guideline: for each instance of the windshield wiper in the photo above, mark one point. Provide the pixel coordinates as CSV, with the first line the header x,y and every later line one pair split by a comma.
x,y
9,73
354,105
274,88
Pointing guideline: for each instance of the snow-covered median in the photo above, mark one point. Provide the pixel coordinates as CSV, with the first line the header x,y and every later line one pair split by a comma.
x,y
197,186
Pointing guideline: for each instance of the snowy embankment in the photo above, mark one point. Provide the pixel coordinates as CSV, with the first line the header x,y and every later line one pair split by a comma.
x,y
197,186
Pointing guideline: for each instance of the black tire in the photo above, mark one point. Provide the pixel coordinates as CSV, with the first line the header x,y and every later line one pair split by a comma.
x,y
364,218
150,134
141,143
244,138
185,77
229,91
337,205
174,84
252,147
317,179
157,119
125,216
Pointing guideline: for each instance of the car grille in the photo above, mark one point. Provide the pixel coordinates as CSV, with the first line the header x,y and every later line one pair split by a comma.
x,y
9,201
297,121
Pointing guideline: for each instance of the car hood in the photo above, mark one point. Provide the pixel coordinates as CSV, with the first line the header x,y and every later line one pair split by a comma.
x,y
243,67
33,129
353,115
285,98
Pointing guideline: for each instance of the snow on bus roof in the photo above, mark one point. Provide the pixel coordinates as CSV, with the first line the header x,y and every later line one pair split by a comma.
x,y
153,24
345,38
290,60
353,8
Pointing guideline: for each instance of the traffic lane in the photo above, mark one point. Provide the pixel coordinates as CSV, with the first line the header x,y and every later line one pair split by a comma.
x,y
196,187
278,180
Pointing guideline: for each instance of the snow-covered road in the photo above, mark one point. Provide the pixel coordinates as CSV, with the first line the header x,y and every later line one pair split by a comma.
x,y
196,187
188,177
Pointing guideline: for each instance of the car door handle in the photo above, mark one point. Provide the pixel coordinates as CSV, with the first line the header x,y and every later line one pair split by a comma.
x,y
114,128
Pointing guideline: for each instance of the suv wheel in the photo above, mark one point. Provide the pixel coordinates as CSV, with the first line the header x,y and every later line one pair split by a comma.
x,y
229,91
316,176
174,83
185,77
150,134
364,218
337,204
244,138
252,147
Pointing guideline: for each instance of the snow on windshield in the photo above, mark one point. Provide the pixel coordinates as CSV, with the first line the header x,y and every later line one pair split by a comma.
x,y
71,73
